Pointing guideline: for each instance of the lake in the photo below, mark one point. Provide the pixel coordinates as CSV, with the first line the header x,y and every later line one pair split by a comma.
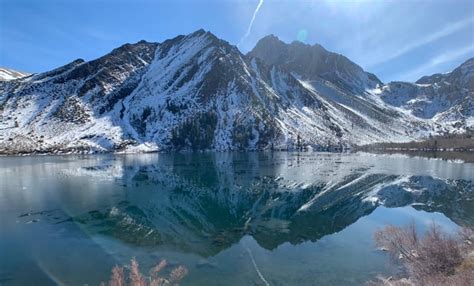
x,y
230,218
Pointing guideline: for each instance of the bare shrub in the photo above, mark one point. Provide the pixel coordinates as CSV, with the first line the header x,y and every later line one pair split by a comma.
x,y
118,277
436,258
177,274
438,253
136,278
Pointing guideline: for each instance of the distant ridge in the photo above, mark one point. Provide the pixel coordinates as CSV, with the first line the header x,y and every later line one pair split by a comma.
x,y
9,74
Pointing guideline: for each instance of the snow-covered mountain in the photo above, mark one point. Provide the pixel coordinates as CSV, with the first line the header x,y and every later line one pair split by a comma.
x,y
351,94
9,74
438,102
198,92
447,99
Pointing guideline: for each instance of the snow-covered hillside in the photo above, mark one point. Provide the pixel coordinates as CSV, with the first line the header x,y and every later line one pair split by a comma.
x,y
9,74
446,99
198,92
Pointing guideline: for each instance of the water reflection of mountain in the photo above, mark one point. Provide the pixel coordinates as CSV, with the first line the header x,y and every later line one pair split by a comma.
x,y
204,203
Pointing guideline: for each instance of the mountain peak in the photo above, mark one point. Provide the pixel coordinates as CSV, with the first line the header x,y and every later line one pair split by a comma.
x,y
270,38
130,47
312,62
469,62
462,75
270,41
200,33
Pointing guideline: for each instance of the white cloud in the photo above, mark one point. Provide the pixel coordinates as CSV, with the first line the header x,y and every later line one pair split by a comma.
x,y
446,31
428,67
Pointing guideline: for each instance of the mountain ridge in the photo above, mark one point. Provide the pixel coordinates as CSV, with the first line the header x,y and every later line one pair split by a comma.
x,y
198,92
311,61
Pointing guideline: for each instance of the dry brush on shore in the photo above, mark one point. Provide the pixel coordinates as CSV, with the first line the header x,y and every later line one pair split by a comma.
x,y
435,259
132,276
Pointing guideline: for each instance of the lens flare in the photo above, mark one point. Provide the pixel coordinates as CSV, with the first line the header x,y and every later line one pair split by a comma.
x,y
302,35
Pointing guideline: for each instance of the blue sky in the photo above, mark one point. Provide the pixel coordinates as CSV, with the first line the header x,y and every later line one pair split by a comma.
x,y
397,40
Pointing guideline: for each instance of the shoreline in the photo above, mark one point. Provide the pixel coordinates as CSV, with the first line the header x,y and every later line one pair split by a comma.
x,y
452,154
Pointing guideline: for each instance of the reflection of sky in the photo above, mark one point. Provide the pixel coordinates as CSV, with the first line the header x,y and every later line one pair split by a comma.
x,y
397,40
401,216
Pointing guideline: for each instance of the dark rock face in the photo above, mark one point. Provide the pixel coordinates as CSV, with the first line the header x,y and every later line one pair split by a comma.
x,y
72,111
312,62
126,62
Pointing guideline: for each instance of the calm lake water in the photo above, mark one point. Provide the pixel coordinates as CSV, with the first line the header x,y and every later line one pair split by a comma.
x,y
230,218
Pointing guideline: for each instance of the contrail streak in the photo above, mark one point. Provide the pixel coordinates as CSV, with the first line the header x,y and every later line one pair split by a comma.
x,y
251,22
256,267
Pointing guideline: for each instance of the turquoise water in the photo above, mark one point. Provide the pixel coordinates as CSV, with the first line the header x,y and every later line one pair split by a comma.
x,y
230,218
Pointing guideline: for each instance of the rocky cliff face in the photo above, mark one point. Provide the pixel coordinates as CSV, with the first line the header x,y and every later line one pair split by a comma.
x,y
198,92
314,62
